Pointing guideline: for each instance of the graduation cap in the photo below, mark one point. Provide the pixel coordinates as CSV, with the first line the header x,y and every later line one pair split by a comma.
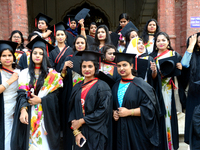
x,y
40,43
124,57
58,26
88,55
130,26
168,67
8,45
44,17
114,38
82,14
106,78
76,62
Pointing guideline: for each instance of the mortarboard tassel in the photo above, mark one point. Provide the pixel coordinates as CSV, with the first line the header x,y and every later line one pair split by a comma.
x,y
47,50
36,22
135,63
54,30
69,21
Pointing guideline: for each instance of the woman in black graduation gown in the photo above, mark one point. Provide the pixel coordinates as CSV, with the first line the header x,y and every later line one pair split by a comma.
x,y
25,58
90,107
8,91
17,36
108,65
190,61
36,120
165,90
61,51
102,37
135,110
143,63
72,76
42,24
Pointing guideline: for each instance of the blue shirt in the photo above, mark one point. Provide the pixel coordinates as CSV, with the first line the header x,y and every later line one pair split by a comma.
x,y
121,92
186,59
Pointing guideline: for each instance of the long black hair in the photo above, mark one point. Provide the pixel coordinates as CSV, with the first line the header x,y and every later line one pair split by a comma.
x,y
145,35
167,37
14,65
107,40
121,16
21,46
43,71
194,66
79,36
127,36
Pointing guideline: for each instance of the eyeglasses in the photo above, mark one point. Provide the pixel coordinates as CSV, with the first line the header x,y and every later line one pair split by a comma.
x,y
16,37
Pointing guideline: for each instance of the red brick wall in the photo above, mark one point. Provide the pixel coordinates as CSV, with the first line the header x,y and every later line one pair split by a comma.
x,y
174,19
13,16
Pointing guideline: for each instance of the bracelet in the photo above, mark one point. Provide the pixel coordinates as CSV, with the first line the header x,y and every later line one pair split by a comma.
x,y
23,108
63,74
76,132
132,112
82,28
5,84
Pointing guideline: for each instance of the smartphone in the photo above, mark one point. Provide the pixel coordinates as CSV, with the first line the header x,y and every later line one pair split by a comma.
x,y
82,142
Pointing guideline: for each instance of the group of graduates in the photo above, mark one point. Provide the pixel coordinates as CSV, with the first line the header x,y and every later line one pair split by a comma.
x,y
102,91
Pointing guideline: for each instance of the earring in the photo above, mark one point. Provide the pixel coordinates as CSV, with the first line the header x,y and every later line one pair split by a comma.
x,y
168,47
13,63
0,63
156,48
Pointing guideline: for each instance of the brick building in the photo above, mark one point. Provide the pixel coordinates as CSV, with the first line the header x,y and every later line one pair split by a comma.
x,y
174,16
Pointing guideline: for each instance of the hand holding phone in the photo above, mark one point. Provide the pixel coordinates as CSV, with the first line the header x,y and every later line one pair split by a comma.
x,y
82,142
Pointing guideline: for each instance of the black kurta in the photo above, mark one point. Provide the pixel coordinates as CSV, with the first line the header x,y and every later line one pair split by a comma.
x,y
132,132
98,115
21,132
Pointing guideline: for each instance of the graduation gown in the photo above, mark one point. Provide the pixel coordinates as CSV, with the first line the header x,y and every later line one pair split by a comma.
x,y
98,115
2,130
132,132
194,134
21,132
90,40
174,121
143,68
24,60
110,69
57,57
68,85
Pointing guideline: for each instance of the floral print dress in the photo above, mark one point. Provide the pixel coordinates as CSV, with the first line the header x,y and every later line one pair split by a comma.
x,y
149,46
167,96
38,133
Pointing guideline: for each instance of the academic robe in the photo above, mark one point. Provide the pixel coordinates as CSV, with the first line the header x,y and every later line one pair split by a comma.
x,y
194,134
132,132
143,67
21,132
2,131
24,60
90,40
98,115
57,57
174,121
113,75
68,85
57,61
